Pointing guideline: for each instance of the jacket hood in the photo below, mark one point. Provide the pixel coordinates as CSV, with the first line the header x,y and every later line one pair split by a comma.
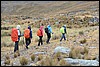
x,y
18,27
41,27
29,27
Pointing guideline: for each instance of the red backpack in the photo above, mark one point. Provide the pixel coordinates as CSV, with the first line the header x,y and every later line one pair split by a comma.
x,y
14,34
39,33
27,33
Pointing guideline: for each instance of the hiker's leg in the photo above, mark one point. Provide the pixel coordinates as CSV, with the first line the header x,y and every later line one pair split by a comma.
x,y
61,37
64,36
47,38
17,45
26,43
39,41
15,48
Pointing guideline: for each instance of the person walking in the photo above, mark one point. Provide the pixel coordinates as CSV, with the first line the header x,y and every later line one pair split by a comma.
x,y
49,31
40,35
15,36
63,31
28,36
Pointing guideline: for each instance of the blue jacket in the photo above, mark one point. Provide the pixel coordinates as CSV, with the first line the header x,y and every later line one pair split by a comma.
x,y
30,31
49,29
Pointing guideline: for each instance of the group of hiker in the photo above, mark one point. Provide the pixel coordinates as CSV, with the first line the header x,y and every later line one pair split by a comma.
x,y
16,34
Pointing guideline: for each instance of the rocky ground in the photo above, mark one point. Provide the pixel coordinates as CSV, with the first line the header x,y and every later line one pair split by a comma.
x,y
91,35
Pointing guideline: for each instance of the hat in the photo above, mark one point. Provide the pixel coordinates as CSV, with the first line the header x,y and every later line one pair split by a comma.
x,y
18,27
65,25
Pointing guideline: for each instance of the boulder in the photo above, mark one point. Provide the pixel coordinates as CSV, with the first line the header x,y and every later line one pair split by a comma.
x,y
62,49
82,62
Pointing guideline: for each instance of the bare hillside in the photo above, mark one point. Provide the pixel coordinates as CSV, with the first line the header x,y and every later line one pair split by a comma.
x,y
45,8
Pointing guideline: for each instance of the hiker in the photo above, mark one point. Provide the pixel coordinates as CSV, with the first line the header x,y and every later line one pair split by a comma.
x,y
40,35
15,36
28,36
63,31
48,31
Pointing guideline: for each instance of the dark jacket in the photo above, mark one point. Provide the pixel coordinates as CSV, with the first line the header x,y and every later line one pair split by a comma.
x,y
30,31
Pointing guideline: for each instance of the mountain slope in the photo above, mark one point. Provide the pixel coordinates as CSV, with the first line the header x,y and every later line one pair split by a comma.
x,y
45,8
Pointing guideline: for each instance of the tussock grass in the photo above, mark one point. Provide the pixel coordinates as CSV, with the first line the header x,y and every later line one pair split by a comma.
x,y
62,62
23,61
83,41
32,57
40,57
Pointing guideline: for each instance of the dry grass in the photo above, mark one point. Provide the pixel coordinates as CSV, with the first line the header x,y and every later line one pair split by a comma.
x,y
83,41
46,61
7,61
62,62
40,57
15,55
23,61
32,57
57,55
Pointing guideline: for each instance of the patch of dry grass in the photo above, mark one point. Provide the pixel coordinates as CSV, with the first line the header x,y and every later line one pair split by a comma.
x,y
23,61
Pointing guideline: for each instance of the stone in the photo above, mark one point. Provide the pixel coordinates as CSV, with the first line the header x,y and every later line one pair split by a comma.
x,y
62,49
82,62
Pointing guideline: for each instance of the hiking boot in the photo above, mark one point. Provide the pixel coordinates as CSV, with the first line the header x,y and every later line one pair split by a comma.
x,y
27,47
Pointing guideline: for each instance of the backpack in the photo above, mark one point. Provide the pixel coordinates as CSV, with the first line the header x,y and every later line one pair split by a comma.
x,y
46,30
27,33
38,33
14,34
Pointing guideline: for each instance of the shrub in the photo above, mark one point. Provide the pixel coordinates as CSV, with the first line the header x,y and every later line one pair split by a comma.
x,y
7,61
57,55
18,52
3,44
54,62
86,50
62,62
81,33
74,53
32,57
83,41
7,56
15,55
40,57
23,61
46,61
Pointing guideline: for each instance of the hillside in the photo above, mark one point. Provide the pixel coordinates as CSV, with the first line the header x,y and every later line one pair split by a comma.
x,y
46,8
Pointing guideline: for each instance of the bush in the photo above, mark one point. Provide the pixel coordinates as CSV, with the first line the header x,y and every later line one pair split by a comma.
x,y
46,61
81,33
7,61
57,55
18,52
83,41
62,62
54,62
75,53
23,61
3,44
40,57
32,57
7,56
15,55
86,50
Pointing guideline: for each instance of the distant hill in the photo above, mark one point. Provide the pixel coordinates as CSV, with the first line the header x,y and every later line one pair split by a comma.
x,y
46,8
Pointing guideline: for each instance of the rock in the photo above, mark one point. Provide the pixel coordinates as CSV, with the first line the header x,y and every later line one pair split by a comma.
x,y
32,64
39,53
83,62
62,49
